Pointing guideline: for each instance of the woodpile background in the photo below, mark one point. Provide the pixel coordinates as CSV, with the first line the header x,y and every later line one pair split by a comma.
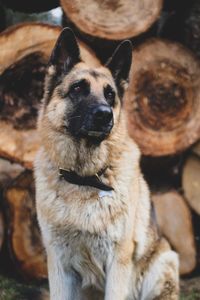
x,y
162,104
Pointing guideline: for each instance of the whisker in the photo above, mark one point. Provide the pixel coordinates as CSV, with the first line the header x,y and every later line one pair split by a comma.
x,y
74,117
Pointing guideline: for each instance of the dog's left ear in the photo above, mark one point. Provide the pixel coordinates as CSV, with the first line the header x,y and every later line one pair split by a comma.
x,y
119,64
66,52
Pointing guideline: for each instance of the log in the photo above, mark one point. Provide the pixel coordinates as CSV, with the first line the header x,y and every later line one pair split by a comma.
x,y
24,239
191,182
174,221
112,19
22,70
163,99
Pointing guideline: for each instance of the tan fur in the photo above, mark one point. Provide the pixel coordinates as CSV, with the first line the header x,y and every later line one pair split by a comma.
x,y
97,247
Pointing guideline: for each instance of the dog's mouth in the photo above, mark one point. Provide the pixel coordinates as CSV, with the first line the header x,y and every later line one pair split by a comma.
x,y
95,136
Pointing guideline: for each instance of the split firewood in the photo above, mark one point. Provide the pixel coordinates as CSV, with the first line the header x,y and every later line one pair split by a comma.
x,y
191,182
24,52
112,20
174,221
24,237
163,99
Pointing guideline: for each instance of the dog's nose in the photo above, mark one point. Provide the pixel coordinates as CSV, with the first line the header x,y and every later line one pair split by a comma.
x,y
102,115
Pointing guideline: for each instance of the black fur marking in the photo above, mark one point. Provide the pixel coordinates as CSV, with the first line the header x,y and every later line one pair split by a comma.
x,y
66,52
119,64
79,88
65,55
94,74
109,94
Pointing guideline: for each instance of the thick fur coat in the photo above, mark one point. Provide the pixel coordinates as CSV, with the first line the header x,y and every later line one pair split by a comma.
x,y
99,245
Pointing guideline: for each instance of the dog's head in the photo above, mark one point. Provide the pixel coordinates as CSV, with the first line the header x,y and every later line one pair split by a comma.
x,y
80,101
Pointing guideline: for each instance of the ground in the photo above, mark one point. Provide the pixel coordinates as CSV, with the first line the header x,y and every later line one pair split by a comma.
x,y
190,289
10,289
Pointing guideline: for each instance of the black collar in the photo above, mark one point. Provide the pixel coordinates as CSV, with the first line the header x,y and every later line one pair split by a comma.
x,y
93,181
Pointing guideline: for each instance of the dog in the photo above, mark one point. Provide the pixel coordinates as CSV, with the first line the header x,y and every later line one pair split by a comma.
x,y
93,205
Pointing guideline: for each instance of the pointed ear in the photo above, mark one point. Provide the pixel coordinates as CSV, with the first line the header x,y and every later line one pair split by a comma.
x,y
119,64
66,52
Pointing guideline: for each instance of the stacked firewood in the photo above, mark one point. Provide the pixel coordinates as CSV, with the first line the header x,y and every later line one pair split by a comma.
x,y
162,104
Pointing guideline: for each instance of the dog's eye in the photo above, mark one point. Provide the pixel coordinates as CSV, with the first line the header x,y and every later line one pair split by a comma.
x,y
109,95
76,89
80,87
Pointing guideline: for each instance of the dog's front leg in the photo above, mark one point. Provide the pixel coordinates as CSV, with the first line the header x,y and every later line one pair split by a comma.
x,y
118,279
64,283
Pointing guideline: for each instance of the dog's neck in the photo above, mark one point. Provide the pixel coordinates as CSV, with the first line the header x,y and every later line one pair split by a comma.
x,y
78,156
89,160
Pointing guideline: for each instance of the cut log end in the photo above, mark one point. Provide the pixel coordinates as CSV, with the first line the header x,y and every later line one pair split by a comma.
x,y
22,70
112,19
174,221
163,98
24,236
155,90
21,89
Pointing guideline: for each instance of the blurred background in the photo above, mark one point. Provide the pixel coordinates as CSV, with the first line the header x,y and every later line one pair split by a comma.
x,y
163,111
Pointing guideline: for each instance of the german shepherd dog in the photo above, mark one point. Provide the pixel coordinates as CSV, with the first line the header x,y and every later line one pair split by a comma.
x,y
93,204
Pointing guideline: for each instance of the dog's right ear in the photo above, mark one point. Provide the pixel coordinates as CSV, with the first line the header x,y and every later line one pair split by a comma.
x,y
66,52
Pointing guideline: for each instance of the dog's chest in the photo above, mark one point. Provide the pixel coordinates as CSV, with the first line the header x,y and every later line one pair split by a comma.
x,y
88,256
89,233
96,213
